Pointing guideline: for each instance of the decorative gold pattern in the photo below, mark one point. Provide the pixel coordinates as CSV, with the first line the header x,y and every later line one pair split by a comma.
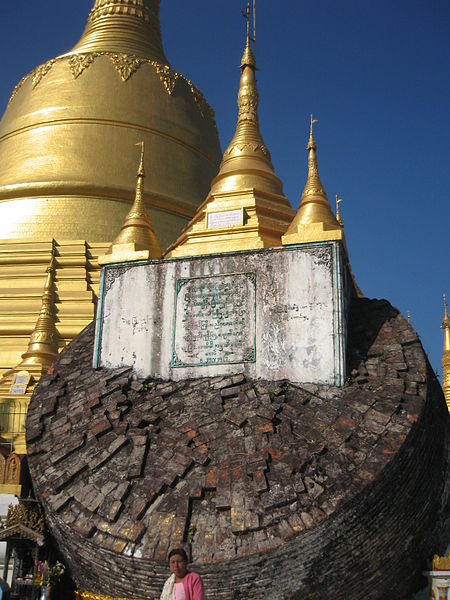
x,y
27,514
135,8
199,98
136,240
90,596
314,221
79,62
167,76
445,326
13,469
441,563
125,65
41,72
17,88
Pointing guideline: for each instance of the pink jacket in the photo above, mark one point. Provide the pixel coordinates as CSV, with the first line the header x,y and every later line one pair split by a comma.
x,y
193,586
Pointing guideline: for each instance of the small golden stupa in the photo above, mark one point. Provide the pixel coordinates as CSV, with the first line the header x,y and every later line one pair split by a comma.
x,y
445,326
245,208
43,345
136,240
314,221
17,384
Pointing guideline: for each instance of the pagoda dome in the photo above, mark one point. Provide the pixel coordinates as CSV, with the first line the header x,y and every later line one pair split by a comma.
x,y
66,139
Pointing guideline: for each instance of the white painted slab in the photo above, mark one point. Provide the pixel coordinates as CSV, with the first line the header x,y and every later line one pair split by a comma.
x,y
272,314
225,218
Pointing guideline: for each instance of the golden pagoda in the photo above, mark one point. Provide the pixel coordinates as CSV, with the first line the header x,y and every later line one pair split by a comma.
x,y
66,173
245,208
445,326
136,240
314,221
17,386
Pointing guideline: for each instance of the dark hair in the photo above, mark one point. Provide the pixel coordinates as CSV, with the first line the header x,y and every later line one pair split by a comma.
x,y
179,552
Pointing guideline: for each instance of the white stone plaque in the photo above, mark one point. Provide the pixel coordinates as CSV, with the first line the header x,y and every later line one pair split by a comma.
x,y
20,383
228,218
18,389
214,320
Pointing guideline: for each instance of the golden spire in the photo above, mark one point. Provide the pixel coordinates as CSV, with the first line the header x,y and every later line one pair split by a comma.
x,y
314,221
245,208
445,326
43,345
136,240
247,151
124,26
338,214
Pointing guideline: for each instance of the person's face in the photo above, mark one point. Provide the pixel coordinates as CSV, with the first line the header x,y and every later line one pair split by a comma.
x,y
178,566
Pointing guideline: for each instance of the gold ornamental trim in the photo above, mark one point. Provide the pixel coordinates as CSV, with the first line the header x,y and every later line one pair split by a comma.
x,y
79,595
121,7
441,563
21,514
126,66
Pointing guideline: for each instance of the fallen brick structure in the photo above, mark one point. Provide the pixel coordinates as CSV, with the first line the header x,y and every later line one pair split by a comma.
x,y
284,491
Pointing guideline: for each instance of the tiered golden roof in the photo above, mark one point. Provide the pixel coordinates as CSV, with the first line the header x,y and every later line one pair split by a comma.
x,y
66,173
445,326
136,240
314,221
245,208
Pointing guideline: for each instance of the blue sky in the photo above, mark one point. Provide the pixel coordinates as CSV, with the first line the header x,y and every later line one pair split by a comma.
x,y
375,74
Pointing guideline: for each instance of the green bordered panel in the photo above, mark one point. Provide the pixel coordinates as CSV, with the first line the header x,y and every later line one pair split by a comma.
x,y
215,320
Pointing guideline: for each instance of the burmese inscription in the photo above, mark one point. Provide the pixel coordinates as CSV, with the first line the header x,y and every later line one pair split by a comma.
x,y
214,320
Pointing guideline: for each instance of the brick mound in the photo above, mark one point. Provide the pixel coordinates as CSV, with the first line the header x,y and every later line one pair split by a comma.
x,y
285,491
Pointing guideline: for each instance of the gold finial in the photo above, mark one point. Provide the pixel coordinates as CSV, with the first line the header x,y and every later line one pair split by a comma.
x,y
254,22
314,221
43,345
338,214
141,170
139,204
246,16
311,143
136,240
445,326
248,58
445,307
